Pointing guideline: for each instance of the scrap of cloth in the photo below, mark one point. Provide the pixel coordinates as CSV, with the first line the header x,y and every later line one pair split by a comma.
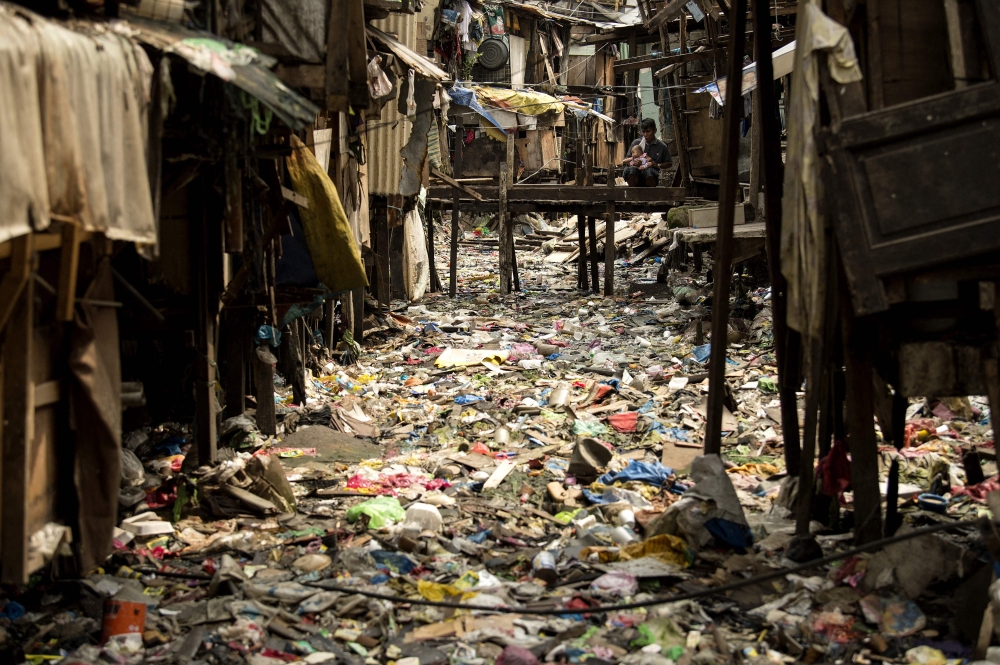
x,y
328,232
74,143
803,244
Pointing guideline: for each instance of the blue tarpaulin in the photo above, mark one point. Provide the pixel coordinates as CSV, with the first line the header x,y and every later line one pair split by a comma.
x,y
466,97
651,473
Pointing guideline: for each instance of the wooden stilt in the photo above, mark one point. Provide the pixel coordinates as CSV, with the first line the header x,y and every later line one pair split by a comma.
x,y
457,171
595,278
858,338
358,305
237,340
69,267
17,432
609,233
581,266
786,342
506,235
208,250
724,236
264,394
435,281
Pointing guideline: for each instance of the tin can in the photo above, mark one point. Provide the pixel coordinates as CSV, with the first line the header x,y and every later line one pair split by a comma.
x,y
501,435
122,617
543,567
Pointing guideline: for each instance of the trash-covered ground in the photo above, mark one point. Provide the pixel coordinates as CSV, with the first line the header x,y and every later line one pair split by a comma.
x,y
521,461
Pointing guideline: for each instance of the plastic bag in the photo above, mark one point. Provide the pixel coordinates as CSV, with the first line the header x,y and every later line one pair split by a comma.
x,y
381,511
416,264
379,84
132,471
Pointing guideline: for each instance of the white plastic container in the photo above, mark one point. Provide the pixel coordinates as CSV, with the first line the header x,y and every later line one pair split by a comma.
x,y
422,517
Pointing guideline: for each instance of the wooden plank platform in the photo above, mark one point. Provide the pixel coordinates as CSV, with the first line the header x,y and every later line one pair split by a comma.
x,y
706,236
566,195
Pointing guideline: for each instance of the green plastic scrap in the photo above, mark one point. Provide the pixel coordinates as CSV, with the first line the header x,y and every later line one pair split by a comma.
x,y
766,384
589,429
566,516
381,511
645,638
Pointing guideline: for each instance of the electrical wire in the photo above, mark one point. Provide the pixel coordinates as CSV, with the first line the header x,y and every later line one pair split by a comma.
x,y
711,591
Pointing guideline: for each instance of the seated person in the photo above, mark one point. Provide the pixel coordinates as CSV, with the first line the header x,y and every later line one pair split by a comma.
x,y
656,152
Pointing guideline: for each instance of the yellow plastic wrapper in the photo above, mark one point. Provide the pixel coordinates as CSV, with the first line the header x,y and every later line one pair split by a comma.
x,y
666,548
754,469
440,592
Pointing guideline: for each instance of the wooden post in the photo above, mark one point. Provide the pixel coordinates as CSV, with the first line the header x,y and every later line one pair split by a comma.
x,y
69,266
237,339
457,172
680,128
264,394
329,323
506,244
786,342
435,281
358,307
511,177
724,236
595,279
336,76
17,430
208,250
380,230
357,60
233,210
609,232
581,232
858,341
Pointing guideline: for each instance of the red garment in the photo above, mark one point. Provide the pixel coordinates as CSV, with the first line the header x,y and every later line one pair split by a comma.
x,y
978,492
834,470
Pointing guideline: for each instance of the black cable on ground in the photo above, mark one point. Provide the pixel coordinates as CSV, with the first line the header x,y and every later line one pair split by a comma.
x,y
757,579
710,591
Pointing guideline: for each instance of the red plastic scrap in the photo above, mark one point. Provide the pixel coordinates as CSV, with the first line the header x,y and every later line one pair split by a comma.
x,y
624,422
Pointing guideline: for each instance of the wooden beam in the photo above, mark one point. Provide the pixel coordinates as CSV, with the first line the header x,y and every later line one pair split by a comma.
x,y
724,236
336,79
670,11
302,76
18,421
659,61
17,276
456,184
69,263
294,197
571,193
357,61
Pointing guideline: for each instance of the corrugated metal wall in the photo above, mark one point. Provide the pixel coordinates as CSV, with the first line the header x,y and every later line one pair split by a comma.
x,y
389,132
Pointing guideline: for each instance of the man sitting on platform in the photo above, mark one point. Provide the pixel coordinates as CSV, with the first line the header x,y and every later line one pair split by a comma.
x,y
656,152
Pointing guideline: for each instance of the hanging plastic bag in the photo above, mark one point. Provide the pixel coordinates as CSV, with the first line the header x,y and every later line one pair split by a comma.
x,y
379,84
411,103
